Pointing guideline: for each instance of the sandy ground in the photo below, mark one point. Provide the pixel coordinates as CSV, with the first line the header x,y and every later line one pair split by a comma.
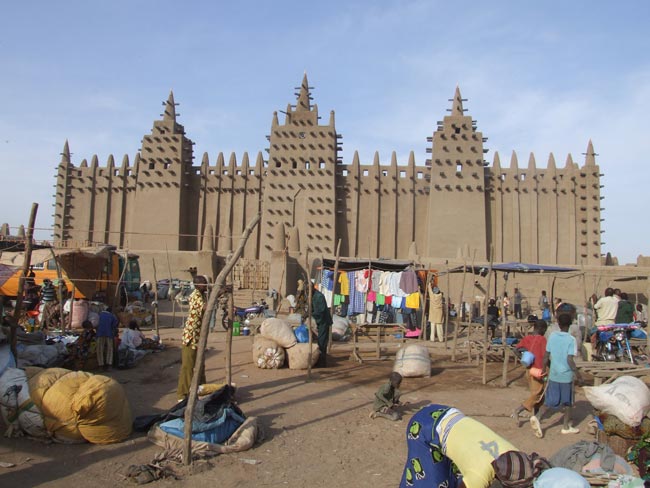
x,y
315,431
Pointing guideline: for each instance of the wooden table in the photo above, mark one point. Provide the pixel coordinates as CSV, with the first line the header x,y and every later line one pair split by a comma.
x,y
377,334
605,371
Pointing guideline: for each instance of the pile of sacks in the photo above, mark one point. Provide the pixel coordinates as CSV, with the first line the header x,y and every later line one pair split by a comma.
x,y
64,406
277,343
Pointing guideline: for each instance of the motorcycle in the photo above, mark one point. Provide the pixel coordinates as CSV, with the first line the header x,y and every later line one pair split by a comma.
x,y
242,314
612,343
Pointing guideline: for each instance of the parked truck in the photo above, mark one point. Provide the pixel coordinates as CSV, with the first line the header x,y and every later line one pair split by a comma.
x,y
99,273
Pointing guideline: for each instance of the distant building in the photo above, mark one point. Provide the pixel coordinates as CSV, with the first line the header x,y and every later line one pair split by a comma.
x,y
454,204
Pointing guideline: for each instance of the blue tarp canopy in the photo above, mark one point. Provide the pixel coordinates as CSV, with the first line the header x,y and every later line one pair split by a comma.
x,y
512,268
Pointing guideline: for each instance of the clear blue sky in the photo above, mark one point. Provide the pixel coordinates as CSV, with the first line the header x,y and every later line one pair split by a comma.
x,y
539,78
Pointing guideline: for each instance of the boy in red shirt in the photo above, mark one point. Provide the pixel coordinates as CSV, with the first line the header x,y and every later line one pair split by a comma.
x,y
536,344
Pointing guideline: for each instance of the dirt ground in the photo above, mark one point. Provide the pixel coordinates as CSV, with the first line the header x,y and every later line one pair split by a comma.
x,y
315,431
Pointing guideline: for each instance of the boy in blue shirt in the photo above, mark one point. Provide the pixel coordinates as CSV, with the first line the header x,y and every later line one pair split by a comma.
x,y
561,348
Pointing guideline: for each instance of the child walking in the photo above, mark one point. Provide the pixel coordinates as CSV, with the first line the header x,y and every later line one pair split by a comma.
x,y
387,398
536,344
560,350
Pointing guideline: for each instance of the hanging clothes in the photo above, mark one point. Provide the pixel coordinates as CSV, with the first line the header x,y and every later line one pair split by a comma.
x,y
375,281
408,282
345,282
384,283
413,300
357,298
395,290
361,279
327,280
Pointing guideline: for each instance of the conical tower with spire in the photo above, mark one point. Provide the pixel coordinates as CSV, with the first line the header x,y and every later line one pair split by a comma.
x,y
457,187
299,188
164,186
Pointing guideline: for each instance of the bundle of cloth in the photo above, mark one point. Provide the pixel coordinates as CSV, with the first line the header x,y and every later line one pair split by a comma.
x,y
64,406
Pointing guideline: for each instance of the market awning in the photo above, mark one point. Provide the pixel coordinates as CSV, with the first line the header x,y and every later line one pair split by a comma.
x,y
512,268
354,264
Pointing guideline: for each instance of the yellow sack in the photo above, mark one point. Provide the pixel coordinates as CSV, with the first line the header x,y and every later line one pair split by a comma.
x,y
60,419
102,410
40,380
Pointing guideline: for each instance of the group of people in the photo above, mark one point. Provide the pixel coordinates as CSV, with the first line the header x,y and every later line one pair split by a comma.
x,y
615,308
447,448
107,340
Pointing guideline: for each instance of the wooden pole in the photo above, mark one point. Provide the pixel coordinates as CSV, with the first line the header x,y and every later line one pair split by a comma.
x,y
231,320
309,319
485,316
27,259
336,272
119,281
504,334
447,305
59,277
155,294
169,269
469,328
217,291
423,300
459,314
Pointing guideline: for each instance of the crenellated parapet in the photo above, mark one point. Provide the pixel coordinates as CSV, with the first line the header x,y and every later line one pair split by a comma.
x,y
455,204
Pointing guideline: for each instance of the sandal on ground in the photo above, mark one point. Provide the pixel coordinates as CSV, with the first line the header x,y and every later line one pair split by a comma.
x,y
570,430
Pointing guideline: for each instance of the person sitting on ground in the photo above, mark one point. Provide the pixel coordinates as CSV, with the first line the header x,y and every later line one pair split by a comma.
x,y
560,350
446,448
132,337
536,344
387,398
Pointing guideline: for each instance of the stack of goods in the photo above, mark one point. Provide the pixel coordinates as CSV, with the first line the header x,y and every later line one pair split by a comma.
x,y
277,341
621,408
63,405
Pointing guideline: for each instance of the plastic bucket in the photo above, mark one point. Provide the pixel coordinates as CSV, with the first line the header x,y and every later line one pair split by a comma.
x,y
245,331
527,358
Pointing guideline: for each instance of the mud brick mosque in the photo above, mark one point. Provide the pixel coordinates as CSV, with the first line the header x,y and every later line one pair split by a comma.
x,y
453,204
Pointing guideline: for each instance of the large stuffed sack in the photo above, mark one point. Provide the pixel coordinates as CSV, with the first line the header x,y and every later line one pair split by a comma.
x,y
560,477
298,356
78,406
102,410
279,331
340,328
627,397
267,354
413,361
20,414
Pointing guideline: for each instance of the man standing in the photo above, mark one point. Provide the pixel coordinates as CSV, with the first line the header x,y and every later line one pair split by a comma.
x,y
606,308
543,302
436,313
106,333
190,338
321,314
517,303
